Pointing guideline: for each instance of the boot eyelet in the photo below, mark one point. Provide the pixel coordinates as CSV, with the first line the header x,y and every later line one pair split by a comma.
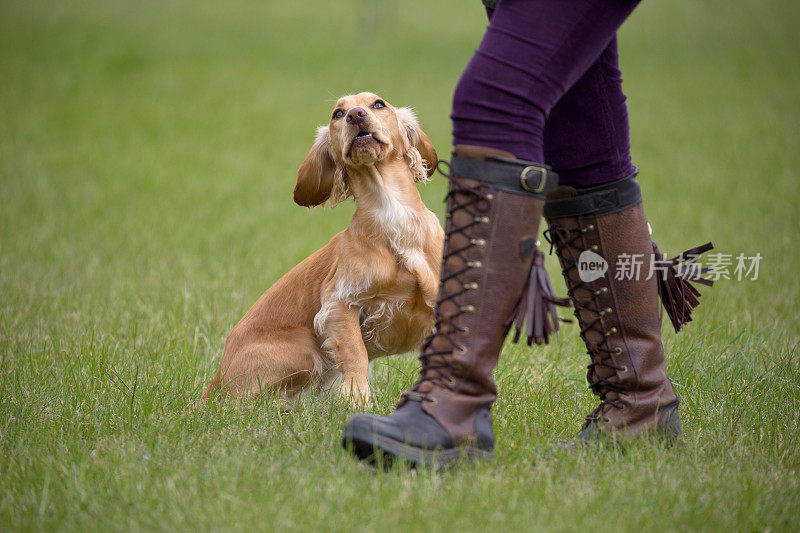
x,y
600,291
456,368
477,242
623,369
470,286
618,351
474,264
482,220
489,196
590,227
451,381
433,401
605,311
462,349
465,330
594,248
467,308
610,332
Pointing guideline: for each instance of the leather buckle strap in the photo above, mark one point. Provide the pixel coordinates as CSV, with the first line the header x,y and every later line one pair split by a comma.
x,y
508,174
604,199
540,172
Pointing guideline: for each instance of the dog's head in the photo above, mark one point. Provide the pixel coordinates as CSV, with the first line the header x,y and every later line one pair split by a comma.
x,y
364,130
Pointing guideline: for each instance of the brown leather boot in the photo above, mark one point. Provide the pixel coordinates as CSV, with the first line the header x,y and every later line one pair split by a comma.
x,y
618,309
488,279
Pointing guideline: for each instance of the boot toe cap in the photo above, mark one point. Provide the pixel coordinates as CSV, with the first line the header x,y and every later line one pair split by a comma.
x,y
409,425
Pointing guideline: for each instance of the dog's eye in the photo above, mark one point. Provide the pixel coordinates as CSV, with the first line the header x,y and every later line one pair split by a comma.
x,y
378,105
338,114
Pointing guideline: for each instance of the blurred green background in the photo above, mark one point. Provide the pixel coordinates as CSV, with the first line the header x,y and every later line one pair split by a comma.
x,y
148,153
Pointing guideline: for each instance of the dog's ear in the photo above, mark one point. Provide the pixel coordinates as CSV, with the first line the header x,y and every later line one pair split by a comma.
x,y
320,178
420,153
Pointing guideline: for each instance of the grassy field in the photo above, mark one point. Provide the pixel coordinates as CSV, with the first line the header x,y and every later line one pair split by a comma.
x,y
147,156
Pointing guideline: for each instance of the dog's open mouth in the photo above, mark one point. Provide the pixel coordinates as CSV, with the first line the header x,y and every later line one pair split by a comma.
x,y
363,137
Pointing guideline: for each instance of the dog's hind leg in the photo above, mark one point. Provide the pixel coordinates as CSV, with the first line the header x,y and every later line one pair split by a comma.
x,y
282,360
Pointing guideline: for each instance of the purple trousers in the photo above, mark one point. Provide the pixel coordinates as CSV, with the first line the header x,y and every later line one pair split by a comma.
x,y
545,85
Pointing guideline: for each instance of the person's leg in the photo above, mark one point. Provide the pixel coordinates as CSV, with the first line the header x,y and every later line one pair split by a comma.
x,y
586,135
598,210
618,310
533,51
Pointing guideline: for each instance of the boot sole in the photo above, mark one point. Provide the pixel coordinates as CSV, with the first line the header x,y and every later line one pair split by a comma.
x,y
380,450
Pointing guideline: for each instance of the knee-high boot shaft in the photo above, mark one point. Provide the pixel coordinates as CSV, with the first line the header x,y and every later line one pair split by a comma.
x,y
491,234
494,206
492,275
617,310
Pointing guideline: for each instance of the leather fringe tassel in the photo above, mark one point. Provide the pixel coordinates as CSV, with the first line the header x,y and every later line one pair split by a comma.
x,y
536,309
678,295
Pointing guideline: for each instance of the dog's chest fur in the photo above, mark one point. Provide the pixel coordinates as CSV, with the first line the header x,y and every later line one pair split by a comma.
x,y
396,304
397,324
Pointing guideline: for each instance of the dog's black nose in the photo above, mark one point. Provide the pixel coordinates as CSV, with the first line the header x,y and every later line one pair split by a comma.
x,y
356,115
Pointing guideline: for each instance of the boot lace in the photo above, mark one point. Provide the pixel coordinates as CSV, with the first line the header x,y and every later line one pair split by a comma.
x,y
568,244
475,201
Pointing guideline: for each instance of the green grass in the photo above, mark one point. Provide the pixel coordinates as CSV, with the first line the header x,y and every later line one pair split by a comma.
x,y
147,158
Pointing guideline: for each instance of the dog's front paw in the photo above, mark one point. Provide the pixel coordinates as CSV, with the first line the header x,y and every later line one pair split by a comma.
x,y
355,391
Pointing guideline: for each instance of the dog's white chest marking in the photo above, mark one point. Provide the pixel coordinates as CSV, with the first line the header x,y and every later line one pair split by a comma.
x,y
388,323
405,229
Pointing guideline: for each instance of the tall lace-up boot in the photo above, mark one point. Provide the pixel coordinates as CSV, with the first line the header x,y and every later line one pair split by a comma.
x,y
492,275
614,276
